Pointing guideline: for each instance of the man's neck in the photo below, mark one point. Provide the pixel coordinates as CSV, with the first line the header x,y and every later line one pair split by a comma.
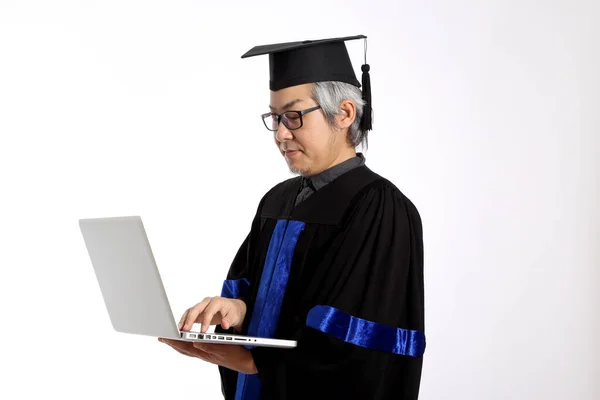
x,y
345,155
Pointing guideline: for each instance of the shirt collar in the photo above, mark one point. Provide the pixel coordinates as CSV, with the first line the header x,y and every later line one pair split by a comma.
x,y
323,178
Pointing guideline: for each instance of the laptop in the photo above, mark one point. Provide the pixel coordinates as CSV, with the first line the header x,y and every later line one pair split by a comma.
x,y
132,288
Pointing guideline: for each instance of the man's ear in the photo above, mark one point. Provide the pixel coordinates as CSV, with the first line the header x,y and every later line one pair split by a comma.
x,y
346,115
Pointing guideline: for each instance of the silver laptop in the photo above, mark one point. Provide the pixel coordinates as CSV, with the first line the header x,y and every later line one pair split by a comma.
x,y
132,288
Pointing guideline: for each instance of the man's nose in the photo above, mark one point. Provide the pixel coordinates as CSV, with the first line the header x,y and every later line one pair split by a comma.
x,y
283,133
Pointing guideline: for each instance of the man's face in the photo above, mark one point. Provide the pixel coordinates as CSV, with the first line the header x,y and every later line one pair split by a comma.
x,y
314,146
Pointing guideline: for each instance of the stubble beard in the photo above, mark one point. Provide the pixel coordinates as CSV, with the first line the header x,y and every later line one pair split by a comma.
x,y
298,171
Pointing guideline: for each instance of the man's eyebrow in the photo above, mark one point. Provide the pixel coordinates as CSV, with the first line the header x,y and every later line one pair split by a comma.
x,y
288,105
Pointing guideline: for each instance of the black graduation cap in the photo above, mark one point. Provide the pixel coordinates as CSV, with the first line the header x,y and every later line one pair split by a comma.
x,y
309,61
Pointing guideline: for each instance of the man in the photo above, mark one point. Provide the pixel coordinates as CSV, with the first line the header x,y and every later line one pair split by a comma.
x,y
334,257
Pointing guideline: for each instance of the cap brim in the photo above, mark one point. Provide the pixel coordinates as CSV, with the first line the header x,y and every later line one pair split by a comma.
x,y
276,48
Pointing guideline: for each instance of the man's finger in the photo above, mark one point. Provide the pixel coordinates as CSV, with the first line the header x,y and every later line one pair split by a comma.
x,y
226,317
175,343
183,318
185,353
206,352
208,314
172,343
181,347
188,349
208,348
194,312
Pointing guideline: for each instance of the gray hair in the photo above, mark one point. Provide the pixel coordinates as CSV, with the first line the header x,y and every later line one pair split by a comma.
x,y
329,95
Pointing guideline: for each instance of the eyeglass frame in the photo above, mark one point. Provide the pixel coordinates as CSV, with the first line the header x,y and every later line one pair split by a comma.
x,y
300,113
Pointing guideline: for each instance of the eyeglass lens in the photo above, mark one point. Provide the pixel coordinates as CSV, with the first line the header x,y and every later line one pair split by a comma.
x,y
291,120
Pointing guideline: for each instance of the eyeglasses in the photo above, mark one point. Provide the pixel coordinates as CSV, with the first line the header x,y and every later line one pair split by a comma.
x,y
291,119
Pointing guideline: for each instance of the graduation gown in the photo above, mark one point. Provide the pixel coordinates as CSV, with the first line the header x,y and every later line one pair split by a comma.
x,y
342,274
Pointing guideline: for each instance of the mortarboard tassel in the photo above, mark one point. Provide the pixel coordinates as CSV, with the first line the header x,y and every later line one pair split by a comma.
x,y
366,123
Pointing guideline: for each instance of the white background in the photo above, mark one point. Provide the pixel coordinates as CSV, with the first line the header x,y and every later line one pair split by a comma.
x,y
486,117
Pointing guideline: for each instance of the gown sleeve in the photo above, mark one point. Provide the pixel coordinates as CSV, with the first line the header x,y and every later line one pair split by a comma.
x,y
237,282
365,339
237,286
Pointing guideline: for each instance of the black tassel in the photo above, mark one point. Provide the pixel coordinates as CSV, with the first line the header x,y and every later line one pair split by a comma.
x,y
366,124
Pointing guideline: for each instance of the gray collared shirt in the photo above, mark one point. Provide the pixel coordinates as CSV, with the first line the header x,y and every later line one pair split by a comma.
x,y
313,183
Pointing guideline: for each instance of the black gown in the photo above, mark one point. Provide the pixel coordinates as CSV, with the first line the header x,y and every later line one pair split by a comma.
x,y
341,273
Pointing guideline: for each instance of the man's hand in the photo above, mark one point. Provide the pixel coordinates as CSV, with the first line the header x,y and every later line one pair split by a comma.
x,y
215,311
231,356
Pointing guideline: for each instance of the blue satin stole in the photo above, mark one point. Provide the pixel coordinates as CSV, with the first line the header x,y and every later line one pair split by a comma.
x,y
271,290
235,288
364,333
